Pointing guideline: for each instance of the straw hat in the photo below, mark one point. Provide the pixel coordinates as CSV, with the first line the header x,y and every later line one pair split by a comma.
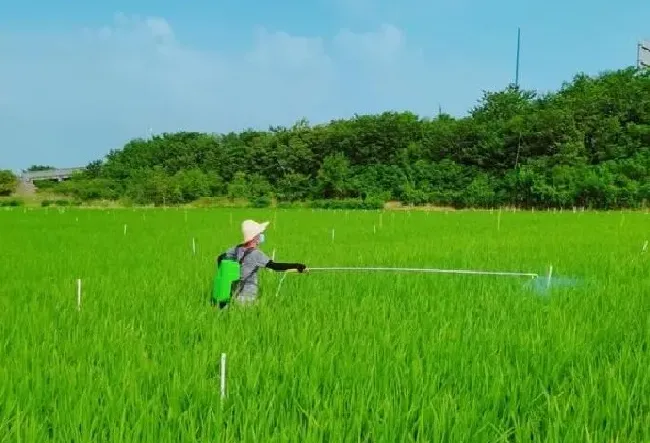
x,y
251,229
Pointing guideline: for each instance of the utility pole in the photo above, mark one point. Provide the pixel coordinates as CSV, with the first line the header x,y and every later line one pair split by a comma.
x,y
518,51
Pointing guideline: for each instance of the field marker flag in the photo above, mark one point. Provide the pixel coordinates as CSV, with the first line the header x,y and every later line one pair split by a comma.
x,y
78,294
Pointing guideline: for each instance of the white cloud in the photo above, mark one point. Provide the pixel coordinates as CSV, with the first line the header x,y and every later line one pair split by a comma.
x,y
67,98
384,45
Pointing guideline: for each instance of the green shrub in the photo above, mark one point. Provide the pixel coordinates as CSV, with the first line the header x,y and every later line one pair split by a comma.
x,y
11,203
261,202
291,204
347,204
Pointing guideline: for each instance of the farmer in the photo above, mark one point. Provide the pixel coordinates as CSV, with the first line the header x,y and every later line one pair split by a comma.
x,y
252,259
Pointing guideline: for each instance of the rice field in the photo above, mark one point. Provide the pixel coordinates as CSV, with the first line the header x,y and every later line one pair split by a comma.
x,y
331,356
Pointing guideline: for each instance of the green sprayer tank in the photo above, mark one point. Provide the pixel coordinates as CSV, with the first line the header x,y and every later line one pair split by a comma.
x,y
228,272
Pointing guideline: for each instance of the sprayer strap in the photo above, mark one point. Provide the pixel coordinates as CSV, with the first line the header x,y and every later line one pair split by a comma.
x,y
244,255
241,260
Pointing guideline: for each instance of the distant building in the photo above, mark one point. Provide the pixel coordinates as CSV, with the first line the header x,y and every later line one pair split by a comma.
x,y
49,174
643,55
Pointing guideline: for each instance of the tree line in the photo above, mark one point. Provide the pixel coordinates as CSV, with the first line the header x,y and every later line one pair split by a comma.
x,y
586,144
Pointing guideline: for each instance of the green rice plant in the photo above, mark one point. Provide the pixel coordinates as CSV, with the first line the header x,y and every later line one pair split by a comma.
x,y
335,356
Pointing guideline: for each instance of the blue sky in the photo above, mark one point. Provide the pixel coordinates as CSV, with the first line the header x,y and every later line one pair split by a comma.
x,y
77,81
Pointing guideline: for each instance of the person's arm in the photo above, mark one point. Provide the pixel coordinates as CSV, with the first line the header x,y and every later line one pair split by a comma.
x,y
263,261
285,266
221,257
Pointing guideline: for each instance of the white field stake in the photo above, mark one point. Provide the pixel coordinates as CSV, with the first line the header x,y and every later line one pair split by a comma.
x,y
645,247
78,294
273,255
430,271
549,276
332,234
277,292
193,246
374,229
124,229
223,376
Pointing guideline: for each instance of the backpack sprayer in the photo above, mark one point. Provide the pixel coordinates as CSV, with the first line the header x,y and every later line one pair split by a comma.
x,y
227,277
422,270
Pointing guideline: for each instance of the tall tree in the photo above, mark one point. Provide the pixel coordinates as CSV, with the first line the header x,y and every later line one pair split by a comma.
x,y
8,182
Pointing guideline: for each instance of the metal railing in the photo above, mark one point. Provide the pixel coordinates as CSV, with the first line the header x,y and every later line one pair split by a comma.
x,y
50,174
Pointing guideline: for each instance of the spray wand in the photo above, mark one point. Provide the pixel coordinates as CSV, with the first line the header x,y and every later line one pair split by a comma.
x,y
412,270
